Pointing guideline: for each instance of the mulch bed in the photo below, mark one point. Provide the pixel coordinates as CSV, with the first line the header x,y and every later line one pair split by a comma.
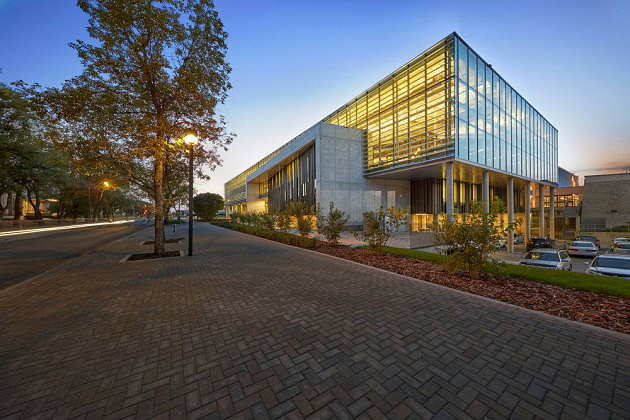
x,y
151,255
604,311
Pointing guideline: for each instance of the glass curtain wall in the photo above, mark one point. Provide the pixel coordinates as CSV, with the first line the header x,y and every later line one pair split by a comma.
x,y
409,115
496,127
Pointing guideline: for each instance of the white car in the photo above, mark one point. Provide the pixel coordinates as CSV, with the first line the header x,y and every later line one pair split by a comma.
x,y
548,258
583,249
617,241
610,265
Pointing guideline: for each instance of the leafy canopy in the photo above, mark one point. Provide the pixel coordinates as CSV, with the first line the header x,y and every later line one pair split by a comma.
x,y
206,205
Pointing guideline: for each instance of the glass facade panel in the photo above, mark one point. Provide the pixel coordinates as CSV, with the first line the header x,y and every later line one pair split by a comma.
x,y
409,116
497,127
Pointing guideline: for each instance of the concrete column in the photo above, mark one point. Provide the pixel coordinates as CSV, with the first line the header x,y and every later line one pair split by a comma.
x,y
510,211
485,191
541,209
528,212
449,191
552,213
437,202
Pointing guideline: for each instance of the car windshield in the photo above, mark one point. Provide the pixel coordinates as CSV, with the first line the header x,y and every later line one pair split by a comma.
x,y
607,262
542,256
582,244
623,245
587,238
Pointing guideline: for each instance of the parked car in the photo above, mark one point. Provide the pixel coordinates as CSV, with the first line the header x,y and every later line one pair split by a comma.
x,y
610,265
620,240
583,249
589,239
540,243
548,258
621,248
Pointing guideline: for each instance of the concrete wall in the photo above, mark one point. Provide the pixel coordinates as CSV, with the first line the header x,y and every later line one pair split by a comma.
x,y
606,200
339,161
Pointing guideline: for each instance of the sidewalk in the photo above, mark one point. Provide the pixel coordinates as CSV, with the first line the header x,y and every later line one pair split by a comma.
x,y
250,328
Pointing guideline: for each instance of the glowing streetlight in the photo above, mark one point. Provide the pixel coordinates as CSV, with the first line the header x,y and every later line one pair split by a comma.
x,y
190,140
106,184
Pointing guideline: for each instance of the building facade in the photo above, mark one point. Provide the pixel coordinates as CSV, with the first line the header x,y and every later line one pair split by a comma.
x,y
439,133
606,202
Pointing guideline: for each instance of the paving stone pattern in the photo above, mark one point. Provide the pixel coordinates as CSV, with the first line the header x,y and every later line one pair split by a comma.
x,y
252,329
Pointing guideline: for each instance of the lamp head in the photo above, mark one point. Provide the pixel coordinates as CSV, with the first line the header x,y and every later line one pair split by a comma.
x,y
106,184
191,139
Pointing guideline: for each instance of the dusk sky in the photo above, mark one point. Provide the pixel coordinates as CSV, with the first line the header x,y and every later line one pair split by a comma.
x,y
297,61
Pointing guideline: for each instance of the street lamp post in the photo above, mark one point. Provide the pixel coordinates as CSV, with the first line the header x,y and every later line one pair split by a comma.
x,y
190,140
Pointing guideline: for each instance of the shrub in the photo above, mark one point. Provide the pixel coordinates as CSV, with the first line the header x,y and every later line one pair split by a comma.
x,y
236,217
284,237
380,225
472,241
303,214
283,220
332,224
268,221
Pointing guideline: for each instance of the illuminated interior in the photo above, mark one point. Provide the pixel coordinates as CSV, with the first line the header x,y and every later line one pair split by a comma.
x,y
408,116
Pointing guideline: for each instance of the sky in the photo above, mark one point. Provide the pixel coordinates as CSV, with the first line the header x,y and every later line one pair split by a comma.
x,y
294,62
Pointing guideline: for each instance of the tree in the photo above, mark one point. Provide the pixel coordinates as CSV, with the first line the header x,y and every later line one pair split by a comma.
x,y
206,205
155,71
331,225
379,225
474,239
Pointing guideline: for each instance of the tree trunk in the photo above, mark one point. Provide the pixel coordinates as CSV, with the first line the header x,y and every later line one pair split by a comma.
x,y
4,207
38,210
158,220
17,205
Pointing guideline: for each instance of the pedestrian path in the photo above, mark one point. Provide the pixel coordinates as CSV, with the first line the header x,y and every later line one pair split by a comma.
x,y
249,328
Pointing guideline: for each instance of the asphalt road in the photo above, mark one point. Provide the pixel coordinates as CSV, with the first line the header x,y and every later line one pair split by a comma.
x,y
24,256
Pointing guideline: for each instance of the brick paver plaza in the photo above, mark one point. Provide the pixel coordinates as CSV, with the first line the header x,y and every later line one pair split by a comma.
x,y
252,329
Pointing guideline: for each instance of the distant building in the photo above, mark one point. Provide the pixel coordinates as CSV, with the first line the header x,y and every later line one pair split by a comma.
x,y
606,201
567,179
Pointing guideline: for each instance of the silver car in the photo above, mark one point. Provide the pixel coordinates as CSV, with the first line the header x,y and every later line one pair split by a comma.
x,y
583,249
617,265
548,258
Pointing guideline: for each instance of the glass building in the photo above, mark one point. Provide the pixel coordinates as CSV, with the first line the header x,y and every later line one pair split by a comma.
x,y
445,122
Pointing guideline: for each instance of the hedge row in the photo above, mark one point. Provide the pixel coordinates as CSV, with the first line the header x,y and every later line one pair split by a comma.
x,y
274,235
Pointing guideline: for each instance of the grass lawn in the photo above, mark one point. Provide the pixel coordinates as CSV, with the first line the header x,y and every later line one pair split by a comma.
x,y
600,284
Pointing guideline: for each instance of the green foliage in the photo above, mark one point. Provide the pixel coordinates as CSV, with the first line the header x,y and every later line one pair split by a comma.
x,y
303,217
268,221
153,71
206,205
283,221
283,237
380,225
474,239
615,286
331,225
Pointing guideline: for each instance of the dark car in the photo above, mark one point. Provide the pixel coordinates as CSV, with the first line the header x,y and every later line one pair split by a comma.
x,y
588,239
540,243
